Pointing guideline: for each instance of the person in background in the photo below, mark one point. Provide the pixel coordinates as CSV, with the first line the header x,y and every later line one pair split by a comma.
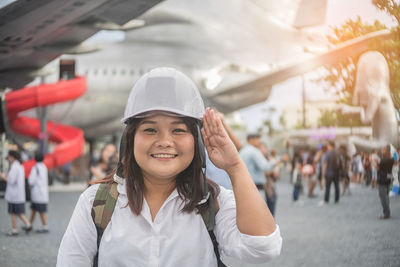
x,y
308,171
66,172
319,160
255,161
344,160
359,169
367,168
330,173
271,177
104,165
38,181
395,171
375,160
15,192
384,179
297,180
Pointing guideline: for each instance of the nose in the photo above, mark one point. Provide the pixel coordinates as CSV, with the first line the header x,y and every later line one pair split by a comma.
x,y
165,139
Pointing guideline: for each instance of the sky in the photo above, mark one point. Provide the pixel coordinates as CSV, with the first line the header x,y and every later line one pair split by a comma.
x,y
289,92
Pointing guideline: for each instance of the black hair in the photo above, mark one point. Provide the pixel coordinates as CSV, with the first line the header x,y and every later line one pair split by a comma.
x,y
38,156
253,135
15,154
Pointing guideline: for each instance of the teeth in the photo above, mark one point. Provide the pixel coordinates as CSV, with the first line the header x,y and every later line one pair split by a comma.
x,y
163,156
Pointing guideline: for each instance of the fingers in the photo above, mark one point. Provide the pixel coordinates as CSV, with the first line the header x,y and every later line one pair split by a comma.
x,y
205,138
213,118
212,123
220,127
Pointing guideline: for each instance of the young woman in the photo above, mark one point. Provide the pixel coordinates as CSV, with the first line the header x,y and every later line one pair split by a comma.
x,y
15,192
38,182
105,163
157,217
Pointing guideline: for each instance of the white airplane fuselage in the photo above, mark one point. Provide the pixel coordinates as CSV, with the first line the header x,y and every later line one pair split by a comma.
x,y
244,43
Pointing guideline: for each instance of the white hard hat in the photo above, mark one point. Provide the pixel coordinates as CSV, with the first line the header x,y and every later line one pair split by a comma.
x,y
164,89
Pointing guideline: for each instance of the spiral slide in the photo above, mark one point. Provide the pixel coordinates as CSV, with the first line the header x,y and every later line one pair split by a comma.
x,y
70,140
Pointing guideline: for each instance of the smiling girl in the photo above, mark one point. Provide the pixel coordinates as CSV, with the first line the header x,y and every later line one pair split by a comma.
x,y
163,201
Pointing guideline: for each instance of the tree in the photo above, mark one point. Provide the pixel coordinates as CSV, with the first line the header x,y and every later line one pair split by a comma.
x,y
331,118
267,123
327,118
341,75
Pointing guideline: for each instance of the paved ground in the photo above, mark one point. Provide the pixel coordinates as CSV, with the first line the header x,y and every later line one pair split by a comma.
x,y
344,234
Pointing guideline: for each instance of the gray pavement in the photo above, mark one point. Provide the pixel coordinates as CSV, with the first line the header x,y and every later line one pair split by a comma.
x,y
344,234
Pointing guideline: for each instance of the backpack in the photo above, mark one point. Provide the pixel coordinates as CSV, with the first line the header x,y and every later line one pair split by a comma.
x,y
103,208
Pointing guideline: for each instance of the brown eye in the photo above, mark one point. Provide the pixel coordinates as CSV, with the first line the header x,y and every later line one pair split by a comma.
x,y
179,130
149,130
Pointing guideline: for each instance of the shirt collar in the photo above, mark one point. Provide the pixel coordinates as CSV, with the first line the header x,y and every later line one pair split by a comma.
x,y
121,188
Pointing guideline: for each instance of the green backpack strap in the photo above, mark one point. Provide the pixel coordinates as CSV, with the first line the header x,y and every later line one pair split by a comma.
x,y
208,216
102,210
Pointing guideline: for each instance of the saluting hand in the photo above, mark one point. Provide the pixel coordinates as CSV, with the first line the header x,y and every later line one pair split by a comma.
x,y
221,150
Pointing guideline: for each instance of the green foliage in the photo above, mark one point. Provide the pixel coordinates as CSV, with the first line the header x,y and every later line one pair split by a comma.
x,y
327,118
269,126
267,123
390,7
341,75
237,126
299,125
330,117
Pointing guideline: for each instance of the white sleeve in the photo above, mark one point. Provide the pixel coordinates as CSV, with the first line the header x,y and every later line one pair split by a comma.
x,y
79,244
250,249
12,176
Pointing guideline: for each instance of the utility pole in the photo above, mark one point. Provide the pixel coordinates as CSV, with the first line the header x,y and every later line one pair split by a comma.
x,y
42,115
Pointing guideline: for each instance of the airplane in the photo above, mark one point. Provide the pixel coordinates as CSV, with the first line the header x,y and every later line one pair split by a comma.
x,y
234,50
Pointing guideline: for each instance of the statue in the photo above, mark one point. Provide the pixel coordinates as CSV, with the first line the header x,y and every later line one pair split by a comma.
x,y
373,102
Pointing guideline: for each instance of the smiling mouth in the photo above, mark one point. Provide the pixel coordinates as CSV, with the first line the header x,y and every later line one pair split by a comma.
x,y
164,156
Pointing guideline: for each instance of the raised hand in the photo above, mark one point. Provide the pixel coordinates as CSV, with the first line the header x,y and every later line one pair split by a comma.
x,y
221,151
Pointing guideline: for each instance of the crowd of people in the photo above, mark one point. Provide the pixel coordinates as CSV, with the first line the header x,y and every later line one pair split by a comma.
x,y
16,193
34,189
327,165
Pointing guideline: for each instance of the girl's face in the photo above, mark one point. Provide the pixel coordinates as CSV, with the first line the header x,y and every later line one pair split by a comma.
x,y
10,159
163,147
108,151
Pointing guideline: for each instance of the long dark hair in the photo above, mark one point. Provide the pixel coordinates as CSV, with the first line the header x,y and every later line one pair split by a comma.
x,y
189,182
15,154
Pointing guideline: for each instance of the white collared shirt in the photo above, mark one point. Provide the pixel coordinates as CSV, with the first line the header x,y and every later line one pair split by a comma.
x,y
173,239
38,180
15,191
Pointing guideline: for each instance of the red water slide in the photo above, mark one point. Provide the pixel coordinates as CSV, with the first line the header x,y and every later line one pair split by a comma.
x,y
70,140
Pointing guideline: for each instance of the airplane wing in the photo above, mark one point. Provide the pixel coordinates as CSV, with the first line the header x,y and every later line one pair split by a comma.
x,y
33,33
258,90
